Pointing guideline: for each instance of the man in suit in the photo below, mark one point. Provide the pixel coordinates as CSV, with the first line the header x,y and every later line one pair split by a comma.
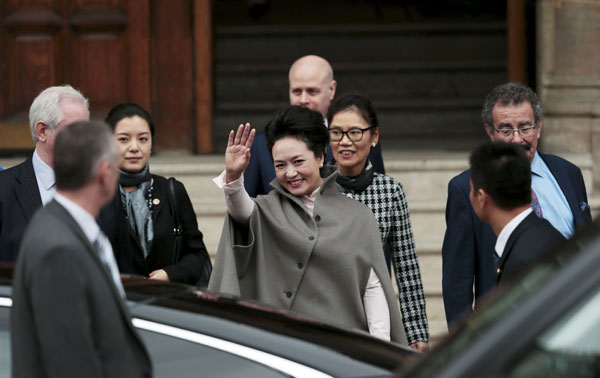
x,y
311,86
69,318
511,113
501,197
29,185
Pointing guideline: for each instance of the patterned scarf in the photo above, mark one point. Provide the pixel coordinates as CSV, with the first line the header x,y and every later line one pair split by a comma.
x,y
139,212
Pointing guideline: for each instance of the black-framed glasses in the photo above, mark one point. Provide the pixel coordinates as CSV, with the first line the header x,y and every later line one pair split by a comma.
x,y
355,134
526,131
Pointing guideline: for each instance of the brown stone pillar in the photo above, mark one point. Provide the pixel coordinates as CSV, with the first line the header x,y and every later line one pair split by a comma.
x,y
568,37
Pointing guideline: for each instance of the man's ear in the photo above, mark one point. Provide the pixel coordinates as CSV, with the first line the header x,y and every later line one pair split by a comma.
x,y
482,197
489,130
42,130
105,175
332,88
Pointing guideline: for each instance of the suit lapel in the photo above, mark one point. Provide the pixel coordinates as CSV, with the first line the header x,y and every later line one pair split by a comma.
x,y
27,191
522,227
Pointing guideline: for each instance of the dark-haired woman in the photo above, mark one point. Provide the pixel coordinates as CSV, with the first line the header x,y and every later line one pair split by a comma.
x,y
304,246
353,130
141,221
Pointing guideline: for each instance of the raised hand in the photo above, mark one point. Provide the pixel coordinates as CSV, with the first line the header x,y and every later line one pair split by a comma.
x,y
237,154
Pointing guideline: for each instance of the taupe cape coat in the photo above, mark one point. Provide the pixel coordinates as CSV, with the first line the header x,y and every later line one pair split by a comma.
x,y
317,266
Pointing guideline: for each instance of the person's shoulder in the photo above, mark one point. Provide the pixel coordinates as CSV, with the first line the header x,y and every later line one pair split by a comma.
x,y
462,178
386,184
161,186
340,201
260,139
163,182
47,226
382,178
16,170
554,160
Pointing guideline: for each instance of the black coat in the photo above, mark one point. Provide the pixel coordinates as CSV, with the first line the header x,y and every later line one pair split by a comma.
x,y
19,199
467,252
530,239
193,256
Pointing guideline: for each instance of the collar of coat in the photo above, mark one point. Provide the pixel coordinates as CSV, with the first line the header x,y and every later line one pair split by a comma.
x,y
328,174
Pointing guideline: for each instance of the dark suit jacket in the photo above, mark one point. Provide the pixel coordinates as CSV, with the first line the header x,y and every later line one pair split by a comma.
x,y
530,239
19,199
260,171
469,243
68,318
128,252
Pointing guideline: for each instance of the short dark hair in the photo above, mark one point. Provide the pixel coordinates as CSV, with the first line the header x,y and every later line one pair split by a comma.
x,y
503,171
78,151
301,123
356,102
510,94
128,110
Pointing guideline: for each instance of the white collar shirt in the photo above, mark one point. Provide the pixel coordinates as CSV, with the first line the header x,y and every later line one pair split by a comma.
x,y
508,230
44,176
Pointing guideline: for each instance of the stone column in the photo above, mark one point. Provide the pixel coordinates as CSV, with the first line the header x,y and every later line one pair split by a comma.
x,y
568,51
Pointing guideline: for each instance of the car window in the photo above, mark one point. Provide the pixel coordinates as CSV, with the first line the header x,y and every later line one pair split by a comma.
x,y
173,357
4,342
570,348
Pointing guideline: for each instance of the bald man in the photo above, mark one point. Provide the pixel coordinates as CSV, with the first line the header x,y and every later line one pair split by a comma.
x,y
312,86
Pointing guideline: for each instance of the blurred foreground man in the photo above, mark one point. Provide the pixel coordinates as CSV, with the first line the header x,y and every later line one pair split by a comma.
x,y
311,86
511,113
69,318
501,197
27,186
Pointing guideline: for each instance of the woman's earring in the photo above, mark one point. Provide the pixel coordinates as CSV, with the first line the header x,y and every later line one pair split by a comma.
x,y
321,165
373,145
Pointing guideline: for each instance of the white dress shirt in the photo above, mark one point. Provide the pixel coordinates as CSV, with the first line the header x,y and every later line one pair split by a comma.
x,y
240,207
44,176
92,232
508,230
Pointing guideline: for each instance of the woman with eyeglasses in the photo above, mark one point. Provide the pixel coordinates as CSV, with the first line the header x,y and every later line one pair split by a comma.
x,y
303,247
353,131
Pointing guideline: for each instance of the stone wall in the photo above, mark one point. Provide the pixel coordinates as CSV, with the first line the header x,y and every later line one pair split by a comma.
x,y
568,45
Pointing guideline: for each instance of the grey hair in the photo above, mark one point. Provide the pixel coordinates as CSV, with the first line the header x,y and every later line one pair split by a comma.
x,y
510,94
46,106
78,152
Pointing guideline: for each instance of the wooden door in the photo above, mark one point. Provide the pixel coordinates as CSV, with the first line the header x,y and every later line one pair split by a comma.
x,y
113,51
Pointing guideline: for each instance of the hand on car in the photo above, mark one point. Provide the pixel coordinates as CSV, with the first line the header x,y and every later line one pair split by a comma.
x,y
237,154
420,346
160,275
